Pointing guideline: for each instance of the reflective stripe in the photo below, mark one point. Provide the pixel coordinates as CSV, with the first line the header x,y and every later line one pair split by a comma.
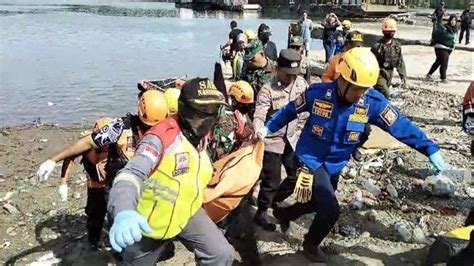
x,y
130,178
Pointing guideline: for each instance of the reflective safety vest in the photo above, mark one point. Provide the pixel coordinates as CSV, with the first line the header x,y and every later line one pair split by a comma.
x,y
174,191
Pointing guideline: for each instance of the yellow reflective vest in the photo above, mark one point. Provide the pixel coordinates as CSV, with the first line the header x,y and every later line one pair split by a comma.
x,y
174,191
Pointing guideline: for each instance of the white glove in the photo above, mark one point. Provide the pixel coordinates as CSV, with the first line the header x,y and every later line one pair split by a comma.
x,y
63,191
261,133
45,170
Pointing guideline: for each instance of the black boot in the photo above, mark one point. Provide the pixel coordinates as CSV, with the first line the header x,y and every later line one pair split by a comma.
x,y
261,218
314,253
282,218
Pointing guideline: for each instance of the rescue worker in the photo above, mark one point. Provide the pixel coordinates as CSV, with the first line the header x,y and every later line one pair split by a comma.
x,y
114,141
466,21
257,69
157,196
269,47
339,114
330,25
388,52
233,34
234,126
341,38
353,39
283,88
297,44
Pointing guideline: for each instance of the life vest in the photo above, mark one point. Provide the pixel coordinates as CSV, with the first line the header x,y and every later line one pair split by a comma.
x,y
174,191
229,186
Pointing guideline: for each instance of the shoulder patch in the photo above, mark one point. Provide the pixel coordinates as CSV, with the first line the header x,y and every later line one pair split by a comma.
x,y
389,115
300,101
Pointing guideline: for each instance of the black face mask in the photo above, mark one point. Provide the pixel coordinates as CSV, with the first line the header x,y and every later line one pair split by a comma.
x,y
199,124
388,35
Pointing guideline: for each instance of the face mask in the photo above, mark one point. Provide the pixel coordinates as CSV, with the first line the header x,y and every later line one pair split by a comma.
x,y
389,35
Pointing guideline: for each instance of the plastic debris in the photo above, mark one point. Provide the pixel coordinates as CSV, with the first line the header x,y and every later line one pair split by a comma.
x,y
370,187
10,208
392,191
439,185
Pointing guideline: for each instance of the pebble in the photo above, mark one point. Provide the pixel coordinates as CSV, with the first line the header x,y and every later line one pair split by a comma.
x,y
6,244
10,208
392,191
400,161
371,215
52,213
371,187
365,235
76,195
403,231
348,231
10,230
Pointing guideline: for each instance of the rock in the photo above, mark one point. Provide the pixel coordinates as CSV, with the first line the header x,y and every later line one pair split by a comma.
x,y
76,195
418,235
439,185
10,208
403,231
5,244
399,161
348,231
52,213
43,140
470,191
365,235
392,191
352,173
371,187
10,230
371,215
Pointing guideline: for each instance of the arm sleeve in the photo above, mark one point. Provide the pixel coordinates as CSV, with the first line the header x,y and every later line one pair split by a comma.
x,y
288,113
108,134
399,126
130,181
261,108
401,66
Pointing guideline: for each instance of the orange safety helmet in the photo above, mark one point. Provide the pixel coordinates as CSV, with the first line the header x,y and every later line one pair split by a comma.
x,y
389,24
242,91
152,107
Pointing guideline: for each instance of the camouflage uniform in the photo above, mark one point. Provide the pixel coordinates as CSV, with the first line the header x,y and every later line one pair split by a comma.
x,y
229,134
389,56
258,77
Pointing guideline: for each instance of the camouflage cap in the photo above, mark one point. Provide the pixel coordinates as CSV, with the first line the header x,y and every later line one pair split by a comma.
x,y
253,48
296,41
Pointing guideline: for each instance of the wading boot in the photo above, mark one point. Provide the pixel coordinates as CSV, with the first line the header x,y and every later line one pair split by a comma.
x,y
280,215
314,253
261,218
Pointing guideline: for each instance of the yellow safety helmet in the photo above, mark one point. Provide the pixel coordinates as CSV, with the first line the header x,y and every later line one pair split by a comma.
x,y
152,107
242,91
359,67
172,96
389,24
346,24
250,35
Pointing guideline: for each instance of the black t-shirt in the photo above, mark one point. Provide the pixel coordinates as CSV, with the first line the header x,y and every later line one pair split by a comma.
x,y
234,34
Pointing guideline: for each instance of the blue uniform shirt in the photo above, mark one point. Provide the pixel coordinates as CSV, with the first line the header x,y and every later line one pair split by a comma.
x,y
334,129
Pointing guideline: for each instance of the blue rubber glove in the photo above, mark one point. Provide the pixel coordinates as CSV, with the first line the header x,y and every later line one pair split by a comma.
x,y
437,160
127,229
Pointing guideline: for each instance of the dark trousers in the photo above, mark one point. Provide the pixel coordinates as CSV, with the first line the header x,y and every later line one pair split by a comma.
x,y
200,236
323,202
329,48
96,209
442,60
271,174
461,34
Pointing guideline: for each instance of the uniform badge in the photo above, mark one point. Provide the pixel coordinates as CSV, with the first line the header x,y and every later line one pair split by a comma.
x,y
300,101
150,153
389,115
328,94
322,108
360,111
318,130
353,136
182,164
